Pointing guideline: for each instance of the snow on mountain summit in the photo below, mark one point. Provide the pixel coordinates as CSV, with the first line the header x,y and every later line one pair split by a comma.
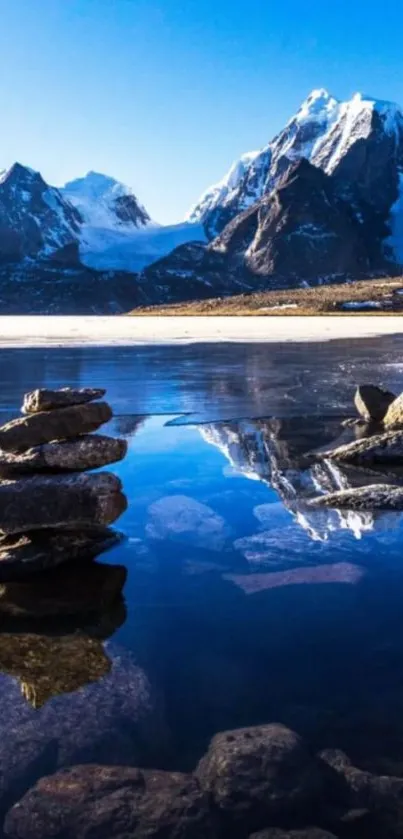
x,y
105,202
323,131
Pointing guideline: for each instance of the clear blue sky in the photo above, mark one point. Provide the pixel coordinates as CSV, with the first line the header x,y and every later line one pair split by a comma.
x,y
165,94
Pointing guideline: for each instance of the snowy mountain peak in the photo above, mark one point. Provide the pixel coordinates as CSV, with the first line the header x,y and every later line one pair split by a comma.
x,y
220,192
318,104
35,219
105,202
18,173
324,131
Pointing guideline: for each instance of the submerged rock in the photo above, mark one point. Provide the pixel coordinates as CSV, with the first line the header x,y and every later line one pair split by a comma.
x,y
109,802
372,402
376,798
394,414
45,399
75,501
379,448
69,590
25,554
261,773
372,497
62,424
87,452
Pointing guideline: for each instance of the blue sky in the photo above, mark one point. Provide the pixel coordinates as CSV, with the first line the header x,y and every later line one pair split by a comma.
x,y
165,94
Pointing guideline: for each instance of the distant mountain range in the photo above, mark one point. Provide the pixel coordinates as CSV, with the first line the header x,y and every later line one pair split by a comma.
x,y
323,201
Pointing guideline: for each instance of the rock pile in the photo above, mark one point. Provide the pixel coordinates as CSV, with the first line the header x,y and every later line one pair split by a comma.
x,y
51,510
262,782
378,442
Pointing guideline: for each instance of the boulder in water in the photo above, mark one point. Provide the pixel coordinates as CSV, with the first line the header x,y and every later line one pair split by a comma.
x,y
372,402
112,801
258,774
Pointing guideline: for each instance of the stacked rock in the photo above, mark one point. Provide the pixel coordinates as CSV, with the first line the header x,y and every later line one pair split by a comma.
x,y
51,510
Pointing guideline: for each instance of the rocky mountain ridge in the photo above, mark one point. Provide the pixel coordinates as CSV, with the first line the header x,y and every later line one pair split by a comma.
x,y
321,203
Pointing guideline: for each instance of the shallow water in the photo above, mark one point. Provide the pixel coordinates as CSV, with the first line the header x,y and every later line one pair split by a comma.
x,y
239,607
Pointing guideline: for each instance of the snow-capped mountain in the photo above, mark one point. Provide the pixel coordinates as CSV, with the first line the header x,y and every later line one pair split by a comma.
x,y
35,218
106,203
344,139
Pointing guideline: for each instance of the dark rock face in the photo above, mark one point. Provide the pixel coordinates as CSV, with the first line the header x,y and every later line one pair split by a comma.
x,y
112,803
257,775
23,555
73,501
86,452
44,399
63,423
128,210
34,218
300,230
372,497
372,402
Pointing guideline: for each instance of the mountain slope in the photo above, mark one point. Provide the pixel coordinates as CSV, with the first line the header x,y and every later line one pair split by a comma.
x,y
35,219
104,202
303,230
360,142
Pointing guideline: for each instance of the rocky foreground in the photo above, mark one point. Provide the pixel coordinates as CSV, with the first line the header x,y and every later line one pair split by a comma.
x,y
263,782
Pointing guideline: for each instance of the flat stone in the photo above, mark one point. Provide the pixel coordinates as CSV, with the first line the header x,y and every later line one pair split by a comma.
x,y
44,399
372,497
87,452
62,424
112,802
74,501
259,774
379,448
372,402
26,554
69,590
394,414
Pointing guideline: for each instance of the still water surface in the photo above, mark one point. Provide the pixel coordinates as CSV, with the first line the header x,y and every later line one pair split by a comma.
x,y
239,608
